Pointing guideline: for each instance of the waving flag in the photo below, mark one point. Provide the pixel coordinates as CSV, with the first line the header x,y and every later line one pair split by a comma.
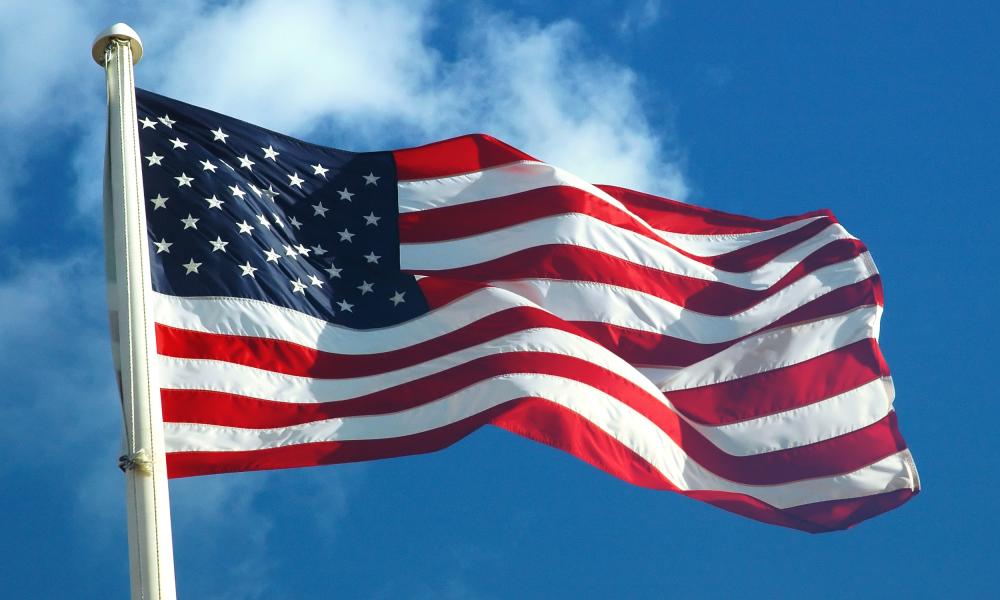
x,y
316,306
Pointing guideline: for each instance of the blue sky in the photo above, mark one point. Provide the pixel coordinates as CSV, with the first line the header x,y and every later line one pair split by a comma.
x,y
883,112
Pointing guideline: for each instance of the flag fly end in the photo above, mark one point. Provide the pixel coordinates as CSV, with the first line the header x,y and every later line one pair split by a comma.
x,y
117,31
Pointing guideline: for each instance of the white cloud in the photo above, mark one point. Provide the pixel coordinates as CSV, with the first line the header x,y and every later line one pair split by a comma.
x,y
285,64
535,86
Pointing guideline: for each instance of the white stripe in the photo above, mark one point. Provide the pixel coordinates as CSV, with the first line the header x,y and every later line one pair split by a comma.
x,y
197,374
615,418
798,427
778,348
721,243
523,176
495,182
809,424
624,307
247,317
588,232
822,420
657,374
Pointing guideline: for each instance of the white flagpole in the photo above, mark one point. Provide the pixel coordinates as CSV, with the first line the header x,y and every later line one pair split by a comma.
x,y
151,560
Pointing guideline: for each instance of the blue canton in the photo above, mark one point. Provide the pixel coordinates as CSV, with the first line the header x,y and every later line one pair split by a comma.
x,y
236,210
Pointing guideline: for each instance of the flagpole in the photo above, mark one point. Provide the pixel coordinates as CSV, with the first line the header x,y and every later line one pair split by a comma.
x,y
151,562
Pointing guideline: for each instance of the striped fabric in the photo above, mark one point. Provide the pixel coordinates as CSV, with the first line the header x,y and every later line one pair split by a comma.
x,y
730,359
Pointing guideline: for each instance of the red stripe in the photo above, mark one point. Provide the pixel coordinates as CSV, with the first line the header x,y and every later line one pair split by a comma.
x,y
541,421
458,155
678,217
841,514
479,151
439,291
783,389
647,348
574,263
637,347
838,455
295,359
462,220
220,408
819,517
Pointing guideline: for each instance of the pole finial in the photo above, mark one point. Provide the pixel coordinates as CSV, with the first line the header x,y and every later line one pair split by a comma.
x,y
117,31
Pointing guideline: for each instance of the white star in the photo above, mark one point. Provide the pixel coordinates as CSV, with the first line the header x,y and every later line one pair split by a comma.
x,y
319,170
315,281
270,152
371,179
295,223
302,250
247,270
319,250
298,287
166,120
276,220
345,195
245,162
290,251
190,222
272,256
295,180
163,245
159,202
345,235
365,287
179,144
263,221
397,299
207,165
334,272
154,159
271,193
372,257
256,190
371,219
345,306
218,244
192,267
320,210
147,123
245,227
214,202
219,136
184,180
237,192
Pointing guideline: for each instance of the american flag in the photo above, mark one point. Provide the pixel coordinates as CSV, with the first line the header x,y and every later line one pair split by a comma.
x,y
316,306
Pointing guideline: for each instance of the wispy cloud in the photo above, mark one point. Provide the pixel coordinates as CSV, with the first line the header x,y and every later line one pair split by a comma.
x,y
57,355
639,15
209,514
39,84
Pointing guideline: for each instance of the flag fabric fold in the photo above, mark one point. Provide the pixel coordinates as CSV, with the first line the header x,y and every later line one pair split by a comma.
x,y
316,306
